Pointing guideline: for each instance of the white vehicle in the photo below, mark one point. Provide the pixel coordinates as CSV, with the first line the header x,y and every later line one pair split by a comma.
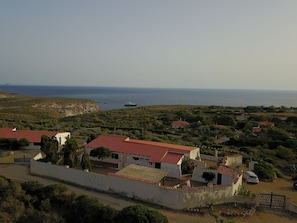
x,y
250,177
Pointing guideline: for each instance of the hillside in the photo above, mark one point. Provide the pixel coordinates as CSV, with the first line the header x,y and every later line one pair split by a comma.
x,y
16,106
259,133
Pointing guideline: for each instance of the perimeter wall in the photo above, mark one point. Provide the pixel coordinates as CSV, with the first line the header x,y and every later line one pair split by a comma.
x,y
174,198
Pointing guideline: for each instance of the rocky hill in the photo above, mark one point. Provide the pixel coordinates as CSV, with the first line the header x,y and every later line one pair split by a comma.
x,y
44,106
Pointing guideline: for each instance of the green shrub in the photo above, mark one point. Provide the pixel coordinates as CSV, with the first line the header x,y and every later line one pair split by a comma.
x,y
278,173
264,170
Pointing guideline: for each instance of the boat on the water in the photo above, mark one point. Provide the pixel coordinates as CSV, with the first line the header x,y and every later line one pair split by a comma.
x,y
130,104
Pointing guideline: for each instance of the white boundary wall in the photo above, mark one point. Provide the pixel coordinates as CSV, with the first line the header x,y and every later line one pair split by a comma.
x,y
174,198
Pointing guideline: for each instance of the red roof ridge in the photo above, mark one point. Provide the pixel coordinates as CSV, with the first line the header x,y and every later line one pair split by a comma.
x,y
161,144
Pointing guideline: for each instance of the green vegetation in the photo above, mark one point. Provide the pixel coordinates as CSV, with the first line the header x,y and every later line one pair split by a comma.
x,y
186,166
33,202
13,144
49,146
141,214
208,176
215,126
69,150
265,171
100,152
245,192
33,109
85,161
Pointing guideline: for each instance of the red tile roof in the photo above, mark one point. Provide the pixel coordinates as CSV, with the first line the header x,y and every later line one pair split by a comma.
x,y
228,171
172,158
155,151
30,135
263,123
256,129
220,126
180,123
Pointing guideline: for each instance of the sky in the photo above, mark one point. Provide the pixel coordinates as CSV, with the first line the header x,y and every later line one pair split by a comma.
x,y
212,44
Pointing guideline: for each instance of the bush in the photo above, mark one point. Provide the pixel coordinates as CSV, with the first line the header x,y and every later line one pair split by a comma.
x,y
208,176
264,170
278,173
140,214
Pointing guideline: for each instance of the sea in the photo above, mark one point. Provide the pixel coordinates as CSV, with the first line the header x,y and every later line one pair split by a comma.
x,y
109,98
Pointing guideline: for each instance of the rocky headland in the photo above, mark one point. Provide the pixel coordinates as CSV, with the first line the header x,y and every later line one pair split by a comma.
x,y
53,107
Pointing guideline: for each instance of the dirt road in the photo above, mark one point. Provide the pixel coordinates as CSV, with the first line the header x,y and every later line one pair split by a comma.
x,y
21,173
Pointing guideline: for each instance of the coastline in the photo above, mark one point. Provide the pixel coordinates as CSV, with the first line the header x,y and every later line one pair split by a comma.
x,y
109,98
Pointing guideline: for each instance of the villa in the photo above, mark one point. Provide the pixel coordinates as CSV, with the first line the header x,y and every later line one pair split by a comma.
x,y
126,151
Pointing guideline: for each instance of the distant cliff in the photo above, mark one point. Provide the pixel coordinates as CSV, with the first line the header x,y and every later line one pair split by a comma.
x,y
69,107
45,106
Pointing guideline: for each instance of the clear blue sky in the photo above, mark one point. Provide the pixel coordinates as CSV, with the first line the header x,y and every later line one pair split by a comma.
x,y
226,44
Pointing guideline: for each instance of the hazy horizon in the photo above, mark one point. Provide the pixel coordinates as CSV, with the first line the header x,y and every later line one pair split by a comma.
x,y
135,87
195,44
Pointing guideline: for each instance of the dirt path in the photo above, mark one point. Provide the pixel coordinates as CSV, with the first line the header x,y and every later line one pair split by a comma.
x,y
22,173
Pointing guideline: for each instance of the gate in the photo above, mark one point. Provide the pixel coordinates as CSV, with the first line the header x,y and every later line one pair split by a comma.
x,y
272,200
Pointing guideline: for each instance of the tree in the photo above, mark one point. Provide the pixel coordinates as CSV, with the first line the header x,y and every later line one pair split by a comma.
x,y
49,146
225,120
91,137
264,170
186,166
85,161
70,149
285,153
208,176
100,152
86,209
23,142
277,134
140,214
14,144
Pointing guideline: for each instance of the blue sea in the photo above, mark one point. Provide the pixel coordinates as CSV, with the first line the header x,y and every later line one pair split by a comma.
x,y
109,98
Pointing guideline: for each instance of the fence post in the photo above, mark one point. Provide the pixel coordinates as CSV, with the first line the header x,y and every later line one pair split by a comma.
x,y
258,200
287,203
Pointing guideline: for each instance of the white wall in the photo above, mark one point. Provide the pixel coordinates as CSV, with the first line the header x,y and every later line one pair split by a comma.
x,y
236,184
233,161
195,153
150,192
198,172
62,137
173,170
226,179
74,176
137,160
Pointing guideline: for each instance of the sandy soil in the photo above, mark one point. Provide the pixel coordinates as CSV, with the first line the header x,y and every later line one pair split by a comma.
x,y
282,186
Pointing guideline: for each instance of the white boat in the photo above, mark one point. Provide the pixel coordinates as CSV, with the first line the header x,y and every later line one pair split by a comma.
x,y
130,104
